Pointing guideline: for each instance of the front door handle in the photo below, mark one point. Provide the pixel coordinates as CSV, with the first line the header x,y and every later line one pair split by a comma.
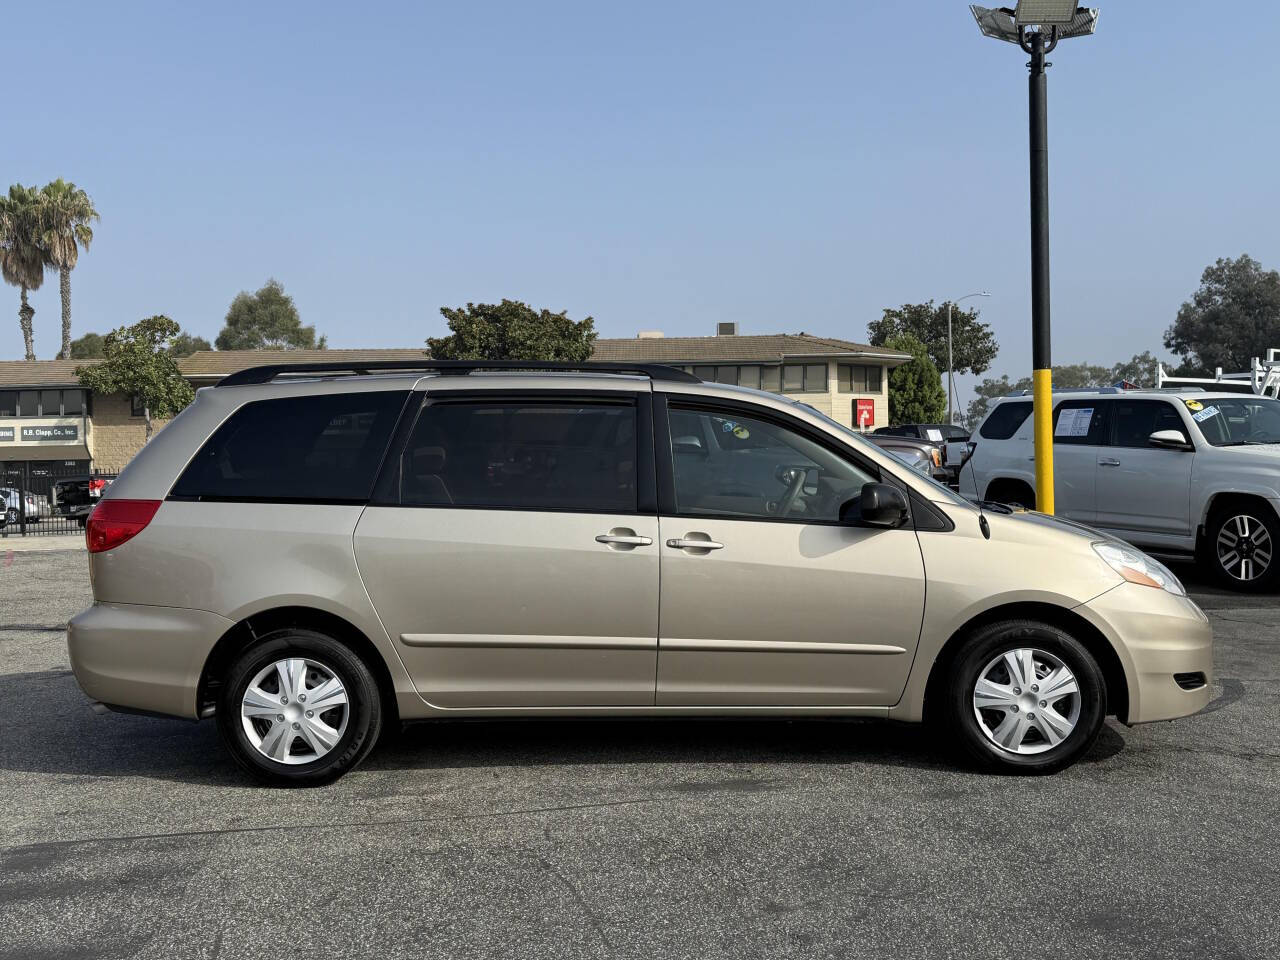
x,y
1108,462
684,543
623,537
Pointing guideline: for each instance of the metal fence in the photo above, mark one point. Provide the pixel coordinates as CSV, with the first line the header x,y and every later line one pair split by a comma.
x,y
48,497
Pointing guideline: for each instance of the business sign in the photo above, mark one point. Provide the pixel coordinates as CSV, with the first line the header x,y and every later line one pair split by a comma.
x,y
864,414
6,433
50,434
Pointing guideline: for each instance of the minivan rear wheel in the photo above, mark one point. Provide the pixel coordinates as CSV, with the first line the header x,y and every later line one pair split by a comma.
x,y
1025,697
298,708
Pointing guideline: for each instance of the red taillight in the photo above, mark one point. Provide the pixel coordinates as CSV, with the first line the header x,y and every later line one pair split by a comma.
x,y
114,522
96,484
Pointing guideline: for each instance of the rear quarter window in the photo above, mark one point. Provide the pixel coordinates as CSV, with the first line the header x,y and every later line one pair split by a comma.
x,y
324,449
1005,420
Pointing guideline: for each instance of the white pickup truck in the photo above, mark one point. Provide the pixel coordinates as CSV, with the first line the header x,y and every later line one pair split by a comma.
x,y
1182,473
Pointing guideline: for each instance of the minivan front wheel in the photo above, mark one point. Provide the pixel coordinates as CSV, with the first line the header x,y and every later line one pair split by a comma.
x,y
1025,697
299,708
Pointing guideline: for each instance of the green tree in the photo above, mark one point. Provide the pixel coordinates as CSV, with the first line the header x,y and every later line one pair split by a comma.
x,y
65,214
915,388
185,344
22,259
266,320
1232,318
512,331
137,363
87,347
974,344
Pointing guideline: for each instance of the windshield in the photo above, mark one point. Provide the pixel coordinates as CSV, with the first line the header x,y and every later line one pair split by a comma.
x,y
944,491
1237,421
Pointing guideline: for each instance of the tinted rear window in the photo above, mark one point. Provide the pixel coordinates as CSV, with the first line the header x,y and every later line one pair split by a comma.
x,y
313,449
1005,420
527,455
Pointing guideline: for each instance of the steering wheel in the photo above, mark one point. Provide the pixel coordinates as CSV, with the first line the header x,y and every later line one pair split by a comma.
x,y
794,488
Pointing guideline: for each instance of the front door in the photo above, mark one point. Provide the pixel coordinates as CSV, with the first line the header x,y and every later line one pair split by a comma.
x,y
767,599
1144,489
508,555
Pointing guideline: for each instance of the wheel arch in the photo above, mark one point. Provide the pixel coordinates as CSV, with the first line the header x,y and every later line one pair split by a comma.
x,y
1015,484
248,630
1225,499
1081,629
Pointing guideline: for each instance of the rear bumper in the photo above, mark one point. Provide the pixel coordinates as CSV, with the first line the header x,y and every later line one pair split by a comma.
x,y
141,657
1158,637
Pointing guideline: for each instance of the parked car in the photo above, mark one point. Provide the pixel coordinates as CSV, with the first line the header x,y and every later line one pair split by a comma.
x,y
15,503
1185,474
933,432
75,497
311,559
918,454
950,439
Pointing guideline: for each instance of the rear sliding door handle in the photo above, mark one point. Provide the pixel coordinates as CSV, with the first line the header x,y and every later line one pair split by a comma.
x,y
1108,462
624,540
680,543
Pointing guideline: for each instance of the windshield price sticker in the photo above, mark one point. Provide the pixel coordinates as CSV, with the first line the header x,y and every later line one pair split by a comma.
x,y
1200,416
1074,422
933,434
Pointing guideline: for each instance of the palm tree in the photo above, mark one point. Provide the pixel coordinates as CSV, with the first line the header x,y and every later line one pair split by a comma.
x,y
22,260
65,214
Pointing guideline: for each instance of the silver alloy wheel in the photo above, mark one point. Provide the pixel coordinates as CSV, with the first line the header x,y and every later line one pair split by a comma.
x,y
1027,701
1244,547
294,711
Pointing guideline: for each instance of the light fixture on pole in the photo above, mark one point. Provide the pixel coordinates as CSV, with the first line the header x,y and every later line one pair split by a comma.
x,y
1036,26
951,385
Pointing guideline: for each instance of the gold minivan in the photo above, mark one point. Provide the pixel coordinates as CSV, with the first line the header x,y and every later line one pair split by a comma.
x,y
310,553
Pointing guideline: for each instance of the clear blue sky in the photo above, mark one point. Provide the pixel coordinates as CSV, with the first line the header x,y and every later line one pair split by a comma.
x,y
667,165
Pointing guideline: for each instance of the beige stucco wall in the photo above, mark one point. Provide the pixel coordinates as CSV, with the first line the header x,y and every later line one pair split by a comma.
x,y
838,405
114,435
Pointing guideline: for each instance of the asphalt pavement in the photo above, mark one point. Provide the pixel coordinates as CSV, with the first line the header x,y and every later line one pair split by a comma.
x,y
125,836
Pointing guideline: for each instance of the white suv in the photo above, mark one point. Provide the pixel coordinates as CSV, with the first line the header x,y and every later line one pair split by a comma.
x,y
1177,473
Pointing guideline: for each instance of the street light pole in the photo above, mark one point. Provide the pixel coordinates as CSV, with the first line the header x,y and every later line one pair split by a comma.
x,y
1041,359
951,385
1036,26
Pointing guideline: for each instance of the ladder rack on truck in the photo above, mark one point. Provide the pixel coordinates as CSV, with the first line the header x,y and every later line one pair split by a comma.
x,y
1262,379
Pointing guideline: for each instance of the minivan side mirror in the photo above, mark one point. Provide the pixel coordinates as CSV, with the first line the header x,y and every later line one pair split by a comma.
x,y
878,505
1169,440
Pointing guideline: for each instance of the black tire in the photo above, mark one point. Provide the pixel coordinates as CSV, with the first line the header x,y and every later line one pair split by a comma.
x,y
364,708
987,643
1256,517
11,516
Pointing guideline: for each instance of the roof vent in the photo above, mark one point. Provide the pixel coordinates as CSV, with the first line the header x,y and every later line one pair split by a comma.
x,y
726,329
650,335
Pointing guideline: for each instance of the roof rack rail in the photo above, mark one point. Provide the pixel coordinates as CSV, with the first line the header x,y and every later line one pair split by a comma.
x,y
1109,391
269,372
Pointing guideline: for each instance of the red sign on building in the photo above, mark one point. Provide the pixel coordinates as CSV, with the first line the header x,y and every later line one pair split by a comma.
x,y
864,414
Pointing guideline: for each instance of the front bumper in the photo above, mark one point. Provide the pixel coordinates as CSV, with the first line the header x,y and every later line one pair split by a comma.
x,y
142,657
1157,636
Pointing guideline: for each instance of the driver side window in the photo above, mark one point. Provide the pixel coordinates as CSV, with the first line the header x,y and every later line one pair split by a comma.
x,y
733,466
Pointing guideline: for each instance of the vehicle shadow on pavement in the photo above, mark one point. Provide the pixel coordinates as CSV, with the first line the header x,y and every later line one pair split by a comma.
x,y
467,743
67,738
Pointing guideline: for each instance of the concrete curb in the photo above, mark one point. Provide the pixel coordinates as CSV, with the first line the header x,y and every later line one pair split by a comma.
x,y
41,544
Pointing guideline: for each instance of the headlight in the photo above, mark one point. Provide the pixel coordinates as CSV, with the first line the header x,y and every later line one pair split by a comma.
x,y
1136,567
